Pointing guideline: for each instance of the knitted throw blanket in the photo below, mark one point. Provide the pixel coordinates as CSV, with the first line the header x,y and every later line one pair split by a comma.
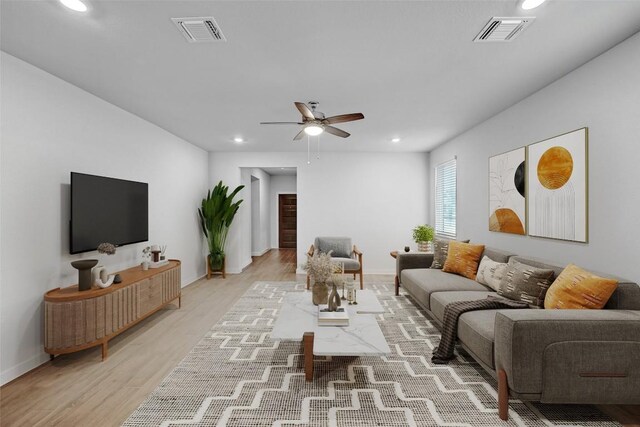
x,y
452,312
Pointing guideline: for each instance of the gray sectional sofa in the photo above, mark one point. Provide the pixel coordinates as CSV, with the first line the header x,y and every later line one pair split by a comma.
x,y
551,356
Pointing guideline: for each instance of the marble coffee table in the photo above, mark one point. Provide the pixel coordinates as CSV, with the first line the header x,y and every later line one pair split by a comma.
x,y
298,321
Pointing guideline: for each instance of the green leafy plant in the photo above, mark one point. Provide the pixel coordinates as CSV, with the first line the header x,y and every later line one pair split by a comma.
x,y
216,214
423,233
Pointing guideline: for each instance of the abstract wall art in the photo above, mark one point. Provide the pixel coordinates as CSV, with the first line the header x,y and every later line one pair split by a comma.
x,y
557,183
507,209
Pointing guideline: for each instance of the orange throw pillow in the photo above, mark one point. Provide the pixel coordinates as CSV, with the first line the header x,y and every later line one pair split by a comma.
x,y
463,259
578,288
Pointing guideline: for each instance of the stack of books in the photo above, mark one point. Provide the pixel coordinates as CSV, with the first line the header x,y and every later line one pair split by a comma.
x,y
332,318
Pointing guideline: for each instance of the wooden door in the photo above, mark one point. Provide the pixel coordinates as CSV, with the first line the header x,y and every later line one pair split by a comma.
x,y
287,220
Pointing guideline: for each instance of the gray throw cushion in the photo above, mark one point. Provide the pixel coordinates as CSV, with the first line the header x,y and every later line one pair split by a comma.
x,y
526,283
440,251
340,247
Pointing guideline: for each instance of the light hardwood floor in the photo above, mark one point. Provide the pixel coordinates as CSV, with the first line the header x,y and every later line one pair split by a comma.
x,y
80,390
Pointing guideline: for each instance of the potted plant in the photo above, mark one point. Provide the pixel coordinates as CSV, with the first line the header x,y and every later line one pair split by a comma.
x,y
423,235
216,214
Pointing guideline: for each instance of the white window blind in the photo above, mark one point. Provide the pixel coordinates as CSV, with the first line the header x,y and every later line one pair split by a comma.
x,y
446,199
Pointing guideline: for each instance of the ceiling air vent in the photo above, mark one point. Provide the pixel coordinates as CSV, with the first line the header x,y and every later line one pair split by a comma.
x,y
199,30
503,29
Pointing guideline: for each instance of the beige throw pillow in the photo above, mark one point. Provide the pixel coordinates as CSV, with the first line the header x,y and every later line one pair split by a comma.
x,y
490,272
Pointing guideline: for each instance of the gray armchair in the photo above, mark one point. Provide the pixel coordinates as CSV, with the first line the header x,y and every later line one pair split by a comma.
x,y
342,252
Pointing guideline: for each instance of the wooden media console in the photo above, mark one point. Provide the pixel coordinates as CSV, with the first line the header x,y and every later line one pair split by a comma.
x,y
76,320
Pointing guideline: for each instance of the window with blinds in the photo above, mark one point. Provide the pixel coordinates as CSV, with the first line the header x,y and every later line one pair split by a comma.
x,y
446,199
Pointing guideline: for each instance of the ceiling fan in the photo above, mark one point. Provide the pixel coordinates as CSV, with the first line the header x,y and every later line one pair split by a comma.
x,y
314,122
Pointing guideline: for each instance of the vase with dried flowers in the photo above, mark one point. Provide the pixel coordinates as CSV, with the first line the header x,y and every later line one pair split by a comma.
x,y
146,257
321,268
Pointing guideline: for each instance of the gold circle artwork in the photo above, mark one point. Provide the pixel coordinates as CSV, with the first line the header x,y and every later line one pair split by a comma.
x,y
555,168
506,221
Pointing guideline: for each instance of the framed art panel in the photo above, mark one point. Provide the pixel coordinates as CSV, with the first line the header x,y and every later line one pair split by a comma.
x,y
558,187
507,208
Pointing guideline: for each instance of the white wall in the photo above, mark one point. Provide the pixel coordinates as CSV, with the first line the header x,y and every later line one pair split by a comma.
x,y
260,210
50,128
280,184
376,198
603,95
255,215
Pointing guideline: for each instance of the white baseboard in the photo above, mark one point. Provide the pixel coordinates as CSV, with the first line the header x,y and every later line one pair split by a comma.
x,y
22,368
260,253
191,282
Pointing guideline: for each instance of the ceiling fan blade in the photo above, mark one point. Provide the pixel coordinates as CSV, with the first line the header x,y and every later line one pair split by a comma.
x,y
305,111
336,131
281,123
299,135
343,118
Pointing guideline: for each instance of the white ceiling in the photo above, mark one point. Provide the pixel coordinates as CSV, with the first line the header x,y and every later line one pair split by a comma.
x,y
411,67
281,171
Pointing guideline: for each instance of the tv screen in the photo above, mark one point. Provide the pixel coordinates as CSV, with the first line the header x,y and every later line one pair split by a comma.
x,y
107,210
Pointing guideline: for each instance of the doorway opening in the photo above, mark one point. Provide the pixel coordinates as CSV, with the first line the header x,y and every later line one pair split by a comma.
x,y
287,221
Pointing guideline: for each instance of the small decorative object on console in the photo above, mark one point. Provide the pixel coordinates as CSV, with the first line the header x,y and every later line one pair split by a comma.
x,y
101,278
146,255
117,278
407,248
84,267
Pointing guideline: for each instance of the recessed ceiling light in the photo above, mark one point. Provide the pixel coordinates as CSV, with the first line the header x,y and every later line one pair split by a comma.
x,y
531,4
76,5
238,140
395,140
281,168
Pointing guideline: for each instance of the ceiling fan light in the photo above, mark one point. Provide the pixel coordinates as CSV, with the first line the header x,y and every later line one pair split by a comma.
x,y
76,5
313,130
531,4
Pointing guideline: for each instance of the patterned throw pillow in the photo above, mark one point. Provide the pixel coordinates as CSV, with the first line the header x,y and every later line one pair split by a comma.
x,y
463,259
490,272
440,251
578,288
523,282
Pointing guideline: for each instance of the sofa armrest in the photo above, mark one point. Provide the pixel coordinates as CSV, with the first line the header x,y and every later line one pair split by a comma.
x,y
405,261
528,342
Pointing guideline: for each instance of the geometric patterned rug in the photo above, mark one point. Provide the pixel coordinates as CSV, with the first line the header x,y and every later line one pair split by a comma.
x,y
238,376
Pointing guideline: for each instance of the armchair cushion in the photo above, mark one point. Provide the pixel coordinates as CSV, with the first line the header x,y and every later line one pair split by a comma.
x,y
350,264
340,247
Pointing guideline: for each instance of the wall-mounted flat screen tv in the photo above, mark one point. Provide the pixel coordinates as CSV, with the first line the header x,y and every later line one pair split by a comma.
x,y
107,210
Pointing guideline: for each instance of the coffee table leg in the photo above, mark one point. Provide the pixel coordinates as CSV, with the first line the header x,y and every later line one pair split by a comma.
x,y
307,341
